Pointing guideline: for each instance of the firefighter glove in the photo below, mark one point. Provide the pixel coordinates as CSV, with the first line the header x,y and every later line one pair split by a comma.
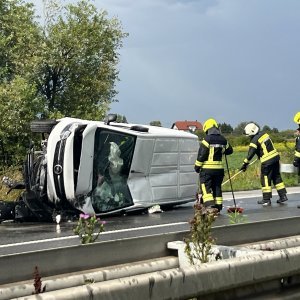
x,y
296,163
197,169
244,167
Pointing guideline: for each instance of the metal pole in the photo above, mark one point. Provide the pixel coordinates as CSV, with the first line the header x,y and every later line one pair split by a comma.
x,y
230,181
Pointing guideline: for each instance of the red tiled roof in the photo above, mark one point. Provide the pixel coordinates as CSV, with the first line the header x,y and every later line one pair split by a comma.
x,y
187,125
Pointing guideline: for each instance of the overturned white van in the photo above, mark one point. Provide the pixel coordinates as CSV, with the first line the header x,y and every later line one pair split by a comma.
x,y
106,167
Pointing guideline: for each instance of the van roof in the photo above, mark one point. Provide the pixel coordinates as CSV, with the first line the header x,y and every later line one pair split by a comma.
x,y
137,129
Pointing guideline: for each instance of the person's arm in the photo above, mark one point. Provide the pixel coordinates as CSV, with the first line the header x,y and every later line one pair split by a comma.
x,y
251,152
202,155
228,149
296,161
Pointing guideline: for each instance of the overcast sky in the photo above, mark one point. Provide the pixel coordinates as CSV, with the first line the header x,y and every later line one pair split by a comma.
x,y
232,60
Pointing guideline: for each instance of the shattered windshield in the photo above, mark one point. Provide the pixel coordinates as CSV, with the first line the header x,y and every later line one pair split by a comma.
x,y
113,153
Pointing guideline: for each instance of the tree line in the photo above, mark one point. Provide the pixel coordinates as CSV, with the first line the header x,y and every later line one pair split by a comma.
x,y
235,134
236,137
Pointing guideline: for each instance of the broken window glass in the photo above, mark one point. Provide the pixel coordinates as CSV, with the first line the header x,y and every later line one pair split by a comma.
x,y
113,153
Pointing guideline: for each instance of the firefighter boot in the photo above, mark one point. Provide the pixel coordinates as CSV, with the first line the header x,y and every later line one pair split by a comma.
x,y
282,199
264,202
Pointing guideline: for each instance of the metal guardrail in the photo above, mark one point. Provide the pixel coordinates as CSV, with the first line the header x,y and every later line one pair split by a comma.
x,y
20,266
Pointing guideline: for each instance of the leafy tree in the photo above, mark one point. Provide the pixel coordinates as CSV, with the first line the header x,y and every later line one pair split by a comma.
x,y
19,56
225,128
121,119
239,129
19,39
155,123
267,128
200,133
78,72
66,68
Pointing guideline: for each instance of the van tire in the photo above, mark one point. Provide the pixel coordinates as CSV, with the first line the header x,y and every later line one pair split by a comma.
x,y
139,128
42,126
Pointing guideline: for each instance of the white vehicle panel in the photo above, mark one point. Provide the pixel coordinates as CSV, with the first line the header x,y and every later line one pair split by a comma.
x,y
85,172
159,170
68,167
54,137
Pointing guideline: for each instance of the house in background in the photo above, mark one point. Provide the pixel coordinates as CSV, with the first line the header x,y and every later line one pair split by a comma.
x,y
188,126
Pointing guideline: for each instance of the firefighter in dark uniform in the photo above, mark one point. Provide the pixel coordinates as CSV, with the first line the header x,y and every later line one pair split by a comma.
x,y
296,161
209,164
262,145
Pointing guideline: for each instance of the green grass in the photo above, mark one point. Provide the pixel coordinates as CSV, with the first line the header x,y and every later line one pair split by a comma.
x,y
13,173
250,179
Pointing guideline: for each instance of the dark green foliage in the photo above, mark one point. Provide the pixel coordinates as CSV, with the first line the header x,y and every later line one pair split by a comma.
x,y
238,140
225,128
68,67
121,119
239,129
155,123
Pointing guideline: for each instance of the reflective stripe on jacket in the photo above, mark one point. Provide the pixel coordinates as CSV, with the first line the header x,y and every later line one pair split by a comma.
x,y
211,150
297,150
262,145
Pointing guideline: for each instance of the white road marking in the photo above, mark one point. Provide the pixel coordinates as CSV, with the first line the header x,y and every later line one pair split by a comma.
x,y
102,233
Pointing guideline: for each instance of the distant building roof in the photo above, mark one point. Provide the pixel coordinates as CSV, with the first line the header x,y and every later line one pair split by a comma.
x,y
187,125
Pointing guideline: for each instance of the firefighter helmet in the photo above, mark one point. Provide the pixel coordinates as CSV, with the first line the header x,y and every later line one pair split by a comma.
x,y
297,118
210,123
251,129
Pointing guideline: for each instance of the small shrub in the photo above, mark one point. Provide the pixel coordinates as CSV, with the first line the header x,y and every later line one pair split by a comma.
x,y
200,236
37,284
236,217
88,228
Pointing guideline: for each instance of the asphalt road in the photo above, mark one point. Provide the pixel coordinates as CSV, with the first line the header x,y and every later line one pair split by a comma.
x,y
23,237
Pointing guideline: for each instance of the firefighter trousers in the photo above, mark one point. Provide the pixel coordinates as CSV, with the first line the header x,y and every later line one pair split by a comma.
x,y
211,186
271,174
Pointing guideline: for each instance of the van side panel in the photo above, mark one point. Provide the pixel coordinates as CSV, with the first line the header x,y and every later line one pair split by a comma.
x,y
138,179
188,179
164,169
165,172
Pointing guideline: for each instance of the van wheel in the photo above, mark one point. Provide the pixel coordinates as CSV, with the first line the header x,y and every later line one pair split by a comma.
x,y
139,128
42,126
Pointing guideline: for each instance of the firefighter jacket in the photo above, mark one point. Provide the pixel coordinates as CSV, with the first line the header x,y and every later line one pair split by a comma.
x,y
297,153
262,145
211,150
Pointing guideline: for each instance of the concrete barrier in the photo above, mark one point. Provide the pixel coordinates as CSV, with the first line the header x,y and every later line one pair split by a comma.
x,y
91,276
277,244
217,252
20,266
176,283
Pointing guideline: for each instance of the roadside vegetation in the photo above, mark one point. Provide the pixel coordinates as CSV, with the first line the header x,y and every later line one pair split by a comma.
x,y
65,64
250,179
